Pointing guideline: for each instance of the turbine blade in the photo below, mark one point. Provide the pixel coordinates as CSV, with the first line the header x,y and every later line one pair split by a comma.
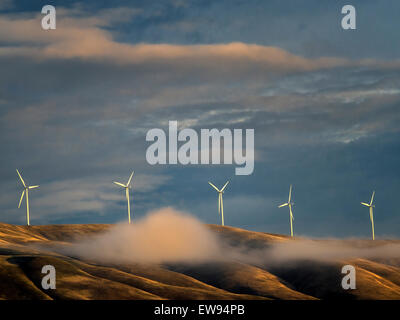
x,y
365,204
22,197
33,187
283,205
213,186
120,184
291,213
372,198
130,178
22,180
290,193
223,188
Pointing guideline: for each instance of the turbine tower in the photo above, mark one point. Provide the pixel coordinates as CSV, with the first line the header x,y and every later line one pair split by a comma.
x,y
26,190
289,204
127,186
371,213
220,201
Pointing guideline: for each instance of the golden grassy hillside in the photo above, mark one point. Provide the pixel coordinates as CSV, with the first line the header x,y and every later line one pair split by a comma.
x,y
21,261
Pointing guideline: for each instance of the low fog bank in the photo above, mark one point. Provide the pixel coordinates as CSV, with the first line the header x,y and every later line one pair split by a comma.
x,y
170,236
165,235
318,250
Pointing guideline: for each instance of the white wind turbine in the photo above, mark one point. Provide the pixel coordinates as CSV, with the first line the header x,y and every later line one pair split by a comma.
x,y
289,204
220,201
371,213
127,186
26,190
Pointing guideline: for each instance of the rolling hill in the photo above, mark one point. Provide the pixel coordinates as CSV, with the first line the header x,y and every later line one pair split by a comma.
x,y
25,250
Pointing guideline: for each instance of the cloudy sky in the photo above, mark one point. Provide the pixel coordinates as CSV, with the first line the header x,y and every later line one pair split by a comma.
x,y
76,103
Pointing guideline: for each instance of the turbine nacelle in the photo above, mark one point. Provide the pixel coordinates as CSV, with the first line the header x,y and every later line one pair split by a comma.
x,y
219,190
368,205
26,187
286,204
121,185
128,184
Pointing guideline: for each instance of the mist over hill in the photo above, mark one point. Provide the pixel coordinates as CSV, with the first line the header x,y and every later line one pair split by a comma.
x,y
171,255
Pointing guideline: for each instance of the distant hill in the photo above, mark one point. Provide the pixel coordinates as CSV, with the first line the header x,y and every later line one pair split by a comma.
x,y
21,263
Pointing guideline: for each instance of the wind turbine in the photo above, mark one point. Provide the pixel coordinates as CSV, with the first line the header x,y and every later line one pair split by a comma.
x,y
26,190
127,186
220,201
289,204
371,213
